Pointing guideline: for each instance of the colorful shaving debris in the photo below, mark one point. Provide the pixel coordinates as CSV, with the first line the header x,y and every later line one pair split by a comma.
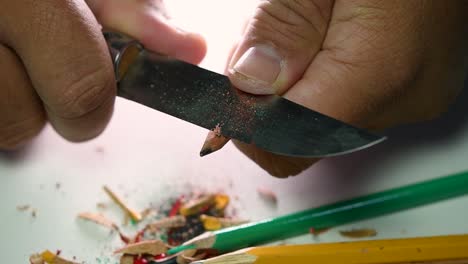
x,y
172,224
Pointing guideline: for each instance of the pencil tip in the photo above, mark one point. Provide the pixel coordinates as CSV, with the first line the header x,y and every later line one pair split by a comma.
x,y
205,151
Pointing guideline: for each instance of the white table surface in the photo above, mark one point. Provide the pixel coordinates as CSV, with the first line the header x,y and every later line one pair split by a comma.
x,y
149,156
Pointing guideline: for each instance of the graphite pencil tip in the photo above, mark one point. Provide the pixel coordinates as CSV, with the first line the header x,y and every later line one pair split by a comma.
x,y
205,151
214,141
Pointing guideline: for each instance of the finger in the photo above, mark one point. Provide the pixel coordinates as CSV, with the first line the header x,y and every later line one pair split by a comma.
x,y
21,112
279,43
145,21
67,59
372,67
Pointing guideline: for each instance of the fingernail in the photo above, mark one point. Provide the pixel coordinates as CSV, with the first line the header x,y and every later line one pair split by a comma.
x,y
257,70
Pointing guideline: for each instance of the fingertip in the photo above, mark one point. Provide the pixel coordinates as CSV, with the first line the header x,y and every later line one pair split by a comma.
x,y
170,40
192,48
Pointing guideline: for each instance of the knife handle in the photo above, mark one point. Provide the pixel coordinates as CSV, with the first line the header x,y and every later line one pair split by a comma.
x,y
123,50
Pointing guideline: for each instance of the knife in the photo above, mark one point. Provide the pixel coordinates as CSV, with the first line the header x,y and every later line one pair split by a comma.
x,y
209,100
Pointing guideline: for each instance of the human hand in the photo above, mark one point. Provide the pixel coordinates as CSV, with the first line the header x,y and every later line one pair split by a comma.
x,y
374,64
55,65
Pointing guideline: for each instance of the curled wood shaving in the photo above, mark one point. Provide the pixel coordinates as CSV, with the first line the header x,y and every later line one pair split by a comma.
x,y
151,247
98,219
168,222
359,233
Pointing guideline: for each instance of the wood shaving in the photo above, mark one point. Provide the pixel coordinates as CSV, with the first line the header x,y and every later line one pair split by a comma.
x,y
98,219
221,201
212,223
23,208
136,216
151,247
49,258
36,259
267,195
194,206
148,212
167,222
126,259
189,256
101,206
359,233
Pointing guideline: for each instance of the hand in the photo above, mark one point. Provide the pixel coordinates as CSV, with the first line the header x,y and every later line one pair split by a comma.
x,y
55,65
374,64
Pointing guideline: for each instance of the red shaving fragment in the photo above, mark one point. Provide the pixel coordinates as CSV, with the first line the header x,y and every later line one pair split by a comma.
x,y
176,207
139,236
124,239
160,256
140,260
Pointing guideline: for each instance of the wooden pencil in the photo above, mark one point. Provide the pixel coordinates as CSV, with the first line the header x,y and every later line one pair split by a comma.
x,y
439,249
364,207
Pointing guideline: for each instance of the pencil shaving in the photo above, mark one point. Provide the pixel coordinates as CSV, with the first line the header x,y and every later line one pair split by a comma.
x,y
151,247
212,223
148,212
98,219
194,206
49,258
189,256
36,259
359,233
167,222
134,215
126,259
221,201
267,195
23,208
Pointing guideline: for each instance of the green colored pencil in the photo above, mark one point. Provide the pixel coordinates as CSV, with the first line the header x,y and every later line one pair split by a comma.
x,y
339,213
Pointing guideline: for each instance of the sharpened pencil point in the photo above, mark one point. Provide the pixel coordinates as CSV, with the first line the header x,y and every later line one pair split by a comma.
x,y
205,152
214,141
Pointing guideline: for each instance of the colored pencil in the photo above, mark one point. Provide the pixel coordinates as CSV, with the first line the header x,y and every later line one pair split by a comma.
x,y
439,249
364,207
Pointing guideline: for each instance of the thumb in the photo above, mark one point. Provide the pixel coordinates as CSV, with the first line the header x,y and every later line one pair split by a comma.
x,y
280,41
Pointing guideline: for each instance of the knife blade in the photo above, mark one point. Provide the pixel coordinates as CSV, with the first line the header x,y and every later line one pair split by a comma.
x,y
208,99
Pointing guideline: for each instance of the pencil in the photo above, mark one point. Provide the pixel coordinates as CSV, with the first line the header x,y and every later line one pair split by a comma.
x,y
364,207
214,141
439,249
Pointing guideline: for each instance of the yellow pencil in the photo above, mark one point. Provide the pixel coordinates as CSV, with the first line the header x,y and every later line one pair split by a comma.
x,y
440,250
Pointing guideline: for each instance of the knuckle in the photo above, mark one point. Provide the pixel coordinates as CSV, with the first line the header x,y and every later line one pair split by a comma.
x,y
14,134
84,94
291,24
